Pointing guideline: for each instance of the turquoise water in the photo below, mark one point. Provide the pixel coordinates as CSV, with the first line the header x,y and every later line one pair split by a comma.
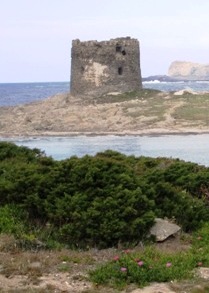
x,y
194,148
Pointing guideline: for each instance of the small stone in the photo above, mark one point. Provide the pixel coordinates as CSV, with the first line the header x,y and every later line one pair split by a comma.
x,y
35,265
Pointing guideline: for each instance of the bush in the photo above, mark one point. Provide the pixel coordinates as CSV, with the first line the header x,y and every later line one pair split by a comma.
x,y
104,199
12,220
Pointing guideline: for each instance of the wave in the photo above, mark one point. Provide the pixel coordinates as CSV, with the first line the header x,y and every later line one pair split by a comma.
x,y
202,81
152,81
163,82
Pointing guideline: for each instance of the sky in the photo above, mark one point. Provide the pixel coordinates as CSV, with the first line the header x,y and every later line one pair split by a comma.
x,y
36,35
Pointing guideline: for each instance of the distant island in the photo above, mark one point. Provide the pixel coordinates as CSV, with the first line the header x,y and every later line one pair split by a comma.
x,y
184,71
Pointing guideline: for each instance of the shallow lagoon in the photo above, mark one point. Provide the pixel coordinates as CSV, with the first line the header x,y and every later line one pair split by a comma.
x,y
194,148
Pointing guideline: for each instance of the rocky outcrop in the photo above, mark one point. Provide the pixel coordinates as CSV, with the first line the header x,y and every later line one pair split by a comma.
x,y
188,71
143,113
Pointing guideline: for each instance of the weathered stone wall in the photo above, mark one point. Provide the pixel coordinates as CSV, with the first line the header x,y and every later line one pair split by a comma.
x,y
108,66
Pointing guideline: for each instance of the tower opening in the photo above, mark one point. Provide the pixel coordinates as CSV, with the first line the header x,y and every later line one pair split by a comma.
x,y
120,70
118,48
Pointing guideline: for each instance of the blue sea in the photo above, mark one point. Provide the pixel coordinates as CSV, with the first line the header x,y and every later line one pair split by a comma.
x,y
12,94
192,147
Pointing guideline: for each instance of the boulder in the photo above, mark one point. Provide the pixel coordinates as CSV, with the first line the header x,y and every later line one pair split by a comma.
x,y
162,229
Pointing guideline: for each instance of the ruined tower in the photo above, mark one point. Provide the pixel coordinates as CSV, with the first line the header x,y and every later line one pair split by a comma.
x,y
103,67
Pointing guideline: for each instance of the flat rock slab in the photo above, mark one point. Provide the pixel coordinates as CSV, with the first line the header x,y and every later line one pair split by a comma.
x,y
162,229
155,288
203,273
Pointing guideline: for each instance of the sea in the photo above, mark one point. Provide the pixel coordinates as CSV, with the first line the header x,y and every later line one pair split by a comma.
x,y
191,147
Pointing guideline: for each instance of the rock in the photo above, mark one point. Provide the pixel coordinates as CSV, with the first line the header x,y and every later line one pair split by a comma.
x,y
155,288
186,91
203,273
182,70
35,265
162,229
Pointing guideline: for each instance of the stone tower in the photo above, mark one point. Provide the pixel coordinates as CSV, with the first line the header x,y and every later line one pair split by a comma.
x,y
103,67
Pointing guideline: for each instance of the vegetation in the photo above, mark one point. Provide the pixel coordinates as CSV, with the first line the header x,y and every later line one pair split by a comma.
x,y
152,265
102,200
105,200
128,96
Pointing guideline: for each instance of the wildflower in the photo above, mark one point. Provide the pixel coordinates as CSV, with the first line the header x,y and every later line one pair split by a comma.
x,y
140,263
126,251
123,269
199,264
199,237
169,264
116,258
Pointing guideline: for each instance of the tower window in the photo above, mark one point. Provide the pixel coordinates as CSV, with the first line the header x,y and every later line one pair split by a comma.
x,y
118,48
120,70
82,69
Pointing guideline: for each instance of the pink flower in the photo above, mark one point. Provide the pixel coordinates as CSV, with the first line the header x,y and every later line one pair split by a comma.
x,y
140,263
199,264
123,269
169,264
116,258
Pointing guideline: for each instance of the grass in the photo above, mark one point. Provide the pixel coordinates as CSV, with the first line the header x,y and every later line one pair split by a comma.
x,y
195,108
143,94
149,108
152,265
114,269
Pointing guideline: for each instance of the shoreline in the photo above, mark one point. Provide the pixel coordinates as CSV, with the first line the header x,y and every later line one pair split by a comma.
x,y
151,133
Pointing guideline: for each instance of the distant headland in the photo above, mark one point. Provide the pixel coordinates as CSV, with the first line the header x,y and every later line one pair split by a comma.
x,y
184,71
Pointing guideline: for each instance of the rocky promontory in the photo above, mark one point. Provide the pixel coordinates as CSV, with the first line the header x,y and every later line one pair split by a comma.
x,y
139,113
183,70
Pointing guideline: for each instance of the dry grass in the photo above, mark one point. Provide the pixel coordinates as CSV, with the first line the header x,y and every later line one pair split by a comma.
x,y
46,271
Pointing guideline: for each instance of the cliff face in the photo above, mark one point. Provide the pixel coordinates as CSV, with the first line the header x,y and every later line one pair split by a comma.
x,y
188,71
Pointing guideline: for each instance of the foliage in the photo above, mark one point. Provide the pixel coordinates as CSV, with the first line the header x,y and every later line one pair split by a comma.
x,y
99,200
145,267
152,265
12,220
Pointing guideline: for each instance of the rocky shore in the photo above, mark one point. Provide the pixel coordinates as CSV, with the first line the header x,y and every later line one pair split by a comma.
x,y
147,112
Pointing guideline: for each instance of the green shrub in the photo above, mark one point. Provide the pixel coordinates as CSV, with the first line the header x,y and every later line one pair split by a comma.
x,y
12,220
105,199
